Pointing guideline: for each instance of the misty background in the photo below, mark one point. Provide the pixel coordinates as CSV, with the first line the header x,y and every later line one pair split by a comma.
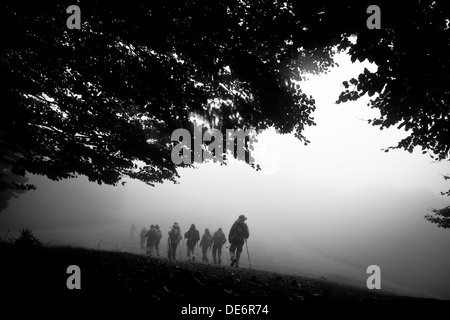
x,y
331,208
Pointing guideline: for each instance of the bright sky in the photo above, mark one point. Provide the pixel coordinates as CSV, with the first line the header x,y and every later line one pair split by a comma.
x,y
340,197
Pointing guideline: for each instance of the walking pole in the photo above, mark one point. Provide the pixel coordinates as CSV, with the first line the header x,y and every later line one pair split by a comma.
x,y
181,250
248,254
196,254
168,249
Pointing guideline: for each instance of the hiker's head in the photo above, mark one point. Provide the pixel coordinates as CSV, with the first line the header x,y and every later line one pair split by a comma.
x,y
152,227
157,226
176,224
242,218
206,230
192,226
220,229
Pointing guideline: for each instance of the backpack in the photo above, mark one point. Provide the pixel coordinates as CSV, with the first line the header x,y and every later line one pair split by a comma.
x,y
206,240
174,234
239,232
151,235
193,236
222,238
219,238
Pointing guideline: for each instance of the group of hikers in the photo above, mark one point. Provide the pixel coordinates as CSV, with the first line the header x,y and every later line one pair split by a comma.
x,y
237,236
153,237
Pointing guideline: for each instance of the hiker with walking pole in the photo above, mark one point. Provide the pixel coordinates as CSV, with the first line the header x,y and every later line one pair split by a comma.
x,y
238,234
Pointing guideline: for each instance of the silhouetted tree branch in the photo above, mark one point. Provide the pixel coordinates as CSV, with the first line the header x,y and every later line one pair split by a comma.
x,y
101,100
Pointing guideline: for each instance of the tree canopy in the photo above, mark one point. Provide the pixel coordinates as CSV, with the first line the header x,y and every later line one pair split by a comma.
x,y
411,87
99,100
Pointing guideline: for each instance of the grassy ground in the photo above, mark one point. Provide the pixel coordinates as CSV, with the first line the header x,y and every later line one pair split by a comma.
x,y
41,273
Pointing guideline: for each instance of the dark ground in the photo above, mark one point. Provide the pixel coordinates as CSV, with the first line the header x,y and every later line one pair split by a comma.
x,y
160,284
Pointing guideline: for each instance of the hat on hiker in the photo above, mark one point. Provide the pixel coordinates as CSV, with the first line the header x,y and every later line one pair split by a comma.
x,y
242,217
157,226
152,226
175,224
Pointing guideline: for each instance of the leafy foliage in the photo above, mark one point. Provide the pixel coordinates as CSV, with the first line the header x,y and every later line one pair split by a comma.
x,y
11,185
103,101
27,239
412,81
441,217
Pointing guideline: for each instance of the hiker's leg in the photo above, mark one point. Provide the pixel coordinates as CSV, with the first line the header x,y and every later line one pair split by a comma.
x,y
232,253
219,251
238,253
174,251
204,253
157,249
214,251
189,252
232,250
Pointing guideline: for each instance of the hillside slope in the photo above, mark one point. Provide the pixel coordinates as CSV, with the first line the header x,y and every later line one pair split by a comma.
x,y
41,272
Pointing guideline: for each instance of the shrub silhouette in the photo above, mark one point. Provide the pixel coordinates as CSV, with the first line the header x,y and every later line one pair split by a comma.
x,y
27,239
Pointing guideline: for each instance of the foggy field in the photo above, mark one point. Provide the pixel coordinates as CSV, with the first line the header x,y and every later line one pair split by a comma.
x,y
286,257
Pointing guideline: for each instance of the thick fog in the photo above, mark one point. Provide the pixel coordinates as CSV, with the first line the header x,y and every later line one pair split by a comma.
x,y
331,208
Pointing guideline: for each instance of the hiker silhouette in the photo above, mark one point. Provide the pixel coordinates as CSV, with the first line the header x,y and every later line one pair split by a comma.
x,y
205,244
173,240
142,239
192,236
218,241
238,234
